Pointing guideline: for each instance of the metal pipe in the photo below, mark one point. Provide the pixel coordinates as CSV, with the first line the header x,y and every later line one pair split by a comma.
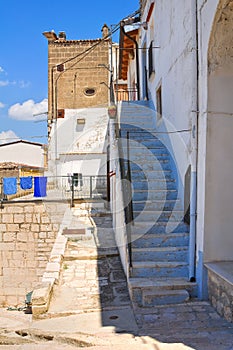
x,y
194,143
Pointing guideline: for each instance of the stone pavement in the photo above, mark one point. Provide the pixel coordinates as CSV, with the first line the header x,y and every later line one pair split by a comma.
x,y
91,307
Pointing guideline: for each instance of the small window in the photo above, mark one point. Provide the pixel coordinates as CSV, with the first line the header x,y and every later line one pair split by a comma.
x,y
90,91
159,102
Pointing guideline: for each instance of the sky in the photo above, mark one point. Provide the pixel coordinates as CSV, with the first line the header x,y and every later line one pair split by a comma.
x,y
24,55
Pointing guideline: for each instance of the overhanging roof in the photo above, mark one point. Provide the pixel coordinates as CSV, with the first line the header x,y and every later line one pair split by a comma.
x,y
127,49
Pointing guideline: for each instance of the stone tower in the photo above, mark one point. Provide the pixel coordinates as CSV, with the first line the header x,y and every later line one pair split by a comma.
x,y
78,73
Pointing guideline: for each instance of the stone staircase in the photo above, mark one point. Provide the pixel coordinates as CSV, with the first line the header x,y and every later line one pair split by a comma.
x,y
160,238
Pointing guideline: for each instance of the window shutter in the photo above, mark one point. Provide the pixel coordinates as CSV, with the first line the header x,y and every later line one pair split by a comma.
x,y
150,59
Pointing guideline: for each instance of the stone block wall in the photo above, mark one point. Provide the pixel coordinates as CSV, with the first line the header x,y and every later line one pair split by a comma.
x,y
221,295
66,88
27,237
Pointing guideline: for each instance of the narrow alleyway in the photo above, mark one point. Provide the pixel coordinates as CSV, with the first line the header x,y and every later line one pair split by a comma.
x,y
91,307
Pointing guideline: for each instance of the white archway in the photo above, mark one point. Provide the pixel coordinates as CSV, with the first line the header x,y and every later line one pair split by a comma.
x,y
218,231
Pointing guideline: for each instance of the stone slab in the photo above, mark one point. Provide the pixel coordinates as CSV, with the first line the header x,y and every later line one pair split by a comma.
x,y
41,294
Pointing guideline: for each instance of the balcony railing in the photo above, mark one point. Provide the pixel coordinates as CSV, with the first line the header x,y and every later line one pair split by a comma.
x,y
126,94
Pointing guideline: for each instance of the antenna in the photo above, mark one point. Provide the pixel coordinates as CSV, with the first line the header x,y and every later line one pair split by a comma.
x,y
40,120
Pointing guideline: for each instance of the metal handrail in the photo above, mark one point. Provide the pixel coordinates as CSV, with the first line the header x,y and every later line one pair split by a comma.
x,y
127,197
129,207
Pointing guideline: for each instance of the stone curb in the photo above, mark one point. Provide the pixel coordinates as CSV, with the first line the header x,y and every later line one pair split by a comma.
x,y
41,295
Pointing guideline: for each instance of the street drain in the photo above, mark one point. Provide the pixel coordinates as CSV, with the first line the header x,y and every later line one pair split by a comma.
x,y
114,317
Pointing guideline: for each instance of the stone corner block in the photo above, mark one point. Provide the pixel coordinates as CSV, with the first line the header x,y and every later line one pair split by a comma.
x,y
41,294
53,267
39,309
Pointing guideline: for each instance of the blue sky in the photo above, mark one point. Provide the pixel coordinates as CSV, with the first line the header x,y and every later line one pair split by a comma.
x,y
23,54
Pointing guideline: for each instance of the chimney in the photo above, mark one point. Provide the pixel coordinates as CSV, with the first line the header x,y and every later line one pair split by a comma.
x,y
51,36
62,36
105,31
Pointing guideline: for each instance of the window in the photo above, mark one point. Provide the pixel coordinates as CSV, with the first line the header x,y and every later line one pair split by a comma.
x,y
159,102
150,59
89,91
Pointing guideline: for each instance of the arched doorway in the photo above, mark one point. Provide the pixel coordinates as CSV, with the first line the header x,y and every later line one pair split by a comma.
x,y
218,235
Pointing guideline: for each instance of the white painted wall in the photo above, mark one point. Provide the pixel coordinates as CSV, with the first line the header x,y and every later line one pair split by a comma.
x,y
80,147
170,28
215,191
23,153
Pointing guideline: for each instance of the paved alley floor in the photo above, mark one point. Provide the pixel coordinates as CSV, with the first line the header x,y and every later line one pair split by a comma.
x,y
91,307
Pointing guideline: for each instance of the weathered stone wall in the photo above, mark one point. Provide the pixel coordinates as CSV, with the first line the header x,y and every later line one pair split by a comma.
x,y
26,240
221,295
66,89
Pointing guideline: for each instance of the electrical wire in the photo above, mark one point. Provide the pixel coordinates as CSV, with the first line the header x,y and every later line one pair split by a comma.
x,y
114,30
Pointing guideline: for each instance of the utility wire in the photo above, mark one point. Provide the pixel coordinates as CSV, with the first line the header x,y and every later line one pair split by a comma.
x,y
115,29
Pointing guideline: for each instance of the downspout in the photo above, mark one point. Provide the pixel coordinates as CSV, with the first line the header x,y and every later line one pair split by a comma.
x,y
137,57
194,146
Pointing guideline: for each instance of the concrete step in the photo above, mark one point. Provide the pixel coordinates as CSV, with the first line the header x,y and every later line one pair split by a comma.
x,y
137,133
154,185
136,147
149,240
141,137
155,165
150,175
143,290
164,297
146,122
160,254
144,195
157,205
159,216
152,227
160,269
136,112
150,157
148,152
135,116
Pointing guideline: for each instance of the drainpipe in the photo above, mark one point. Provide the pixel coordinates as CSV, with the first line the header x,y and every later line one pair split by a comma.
x,y
194,145
137,57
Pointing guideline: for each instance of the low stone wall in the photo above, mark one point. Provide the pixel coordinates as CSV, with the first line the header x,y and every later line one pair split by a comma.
x,y
27,237
220,288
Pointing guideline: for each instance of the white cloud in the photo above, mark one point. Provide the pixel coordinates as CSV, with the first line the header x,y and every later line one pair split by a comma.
x,y
24,84
8,136
2,105
28,109
7,82
1,70
4,82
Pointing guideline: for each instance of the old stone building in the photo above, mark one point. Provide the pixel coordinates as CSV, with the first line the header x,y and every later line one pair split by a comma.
x,y
78,73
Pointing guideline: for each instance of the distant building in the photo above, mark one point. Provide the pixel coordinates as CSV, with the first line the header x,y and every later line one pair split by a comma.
x,y
79,77
30,154
78,73
22,158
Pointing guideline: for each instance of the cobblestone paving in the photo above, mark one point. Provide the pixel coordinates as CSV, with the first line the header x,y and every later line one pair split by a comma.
x,y
195,324
92,275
